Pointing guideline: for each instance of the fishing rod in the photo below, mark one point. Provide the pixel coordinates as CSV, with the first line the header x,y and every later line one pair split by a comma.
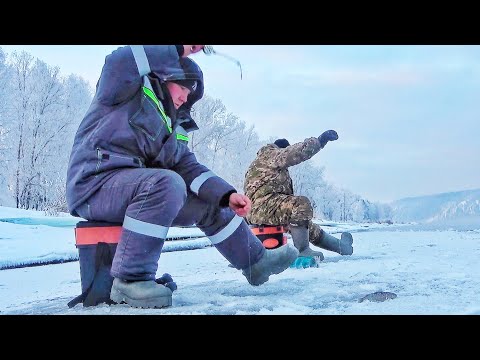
x,y
209,50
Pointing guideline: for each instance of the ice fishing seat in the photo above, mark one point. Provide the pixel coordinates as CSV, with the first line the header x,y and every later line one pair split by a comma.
x,y
271,236
96,243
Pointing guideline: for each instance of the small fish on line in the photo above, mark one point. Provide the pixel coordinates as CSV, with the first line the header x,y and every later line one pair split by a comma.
x,y
378,296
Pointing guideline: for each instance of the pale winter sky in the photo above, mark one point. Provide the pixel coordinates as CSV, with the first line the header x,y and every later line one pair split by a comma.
x,y
407,116
430,271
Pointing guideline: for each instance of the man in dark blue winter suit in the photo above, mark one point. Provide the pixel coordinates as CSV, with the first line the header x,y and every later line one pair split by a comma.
x,y
130,163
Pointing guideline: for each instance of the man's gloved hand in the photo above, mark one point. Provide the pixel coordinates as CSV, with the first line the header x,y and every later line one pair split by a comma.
x,y
330,135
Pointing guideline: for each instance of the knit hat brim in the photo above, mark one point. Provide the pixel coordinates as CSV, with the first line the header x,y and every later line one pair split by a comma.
x,y
189,84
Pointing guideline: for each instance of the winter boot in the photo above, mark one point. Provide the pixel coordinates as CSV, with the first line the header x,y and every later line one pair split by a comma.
x,y
142,294
342,246
272,262
300,239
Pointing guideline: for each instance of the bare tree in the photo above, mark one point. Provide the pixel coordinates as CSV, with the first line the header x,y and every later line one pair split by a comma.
x,y
75,102
206,113
44,109
4,127
217,130
239,154
19,116
307,180
223,143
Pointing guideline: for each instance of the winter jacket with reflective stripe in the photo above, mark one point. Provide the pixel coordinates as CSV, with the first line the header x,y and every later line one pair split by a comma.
x,y
124,129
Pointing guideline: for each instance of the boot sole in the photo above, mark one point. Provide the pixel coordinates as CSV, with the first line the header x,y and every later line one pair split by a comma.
x,y
312,254
154,303
346,242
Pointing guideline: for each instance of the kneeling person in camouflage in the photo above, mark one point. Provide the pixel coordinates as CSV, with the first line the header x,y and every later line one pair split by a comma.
x,y
269,186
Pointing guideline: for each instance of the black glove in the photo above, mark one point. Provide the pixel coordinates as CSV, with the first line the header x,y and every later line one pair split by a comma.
x,y
330,135
167,281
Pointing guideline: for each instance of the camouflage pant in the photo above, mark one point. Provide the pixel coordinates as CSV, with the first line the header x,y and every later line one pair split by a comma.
x,y
284,210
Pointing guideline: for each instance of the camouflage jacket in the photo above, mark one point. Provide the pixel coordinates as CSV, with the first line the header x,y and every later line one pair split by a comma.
x,y
268,174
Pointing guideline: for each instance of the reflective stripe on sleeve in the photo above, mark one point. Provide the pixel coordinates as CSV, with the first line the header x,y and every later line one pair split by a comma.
x,y
200,180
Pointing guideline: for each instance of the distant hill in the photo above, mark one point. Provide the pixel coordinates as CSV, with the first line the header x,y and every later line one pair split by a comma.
x,y
454,207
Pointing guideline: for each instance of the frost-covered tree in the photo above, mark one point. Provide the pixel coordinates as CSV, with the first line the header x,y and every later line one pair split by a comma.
x,y
44,110
223,142
206,113
4,128
240,154
76,101
307,181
